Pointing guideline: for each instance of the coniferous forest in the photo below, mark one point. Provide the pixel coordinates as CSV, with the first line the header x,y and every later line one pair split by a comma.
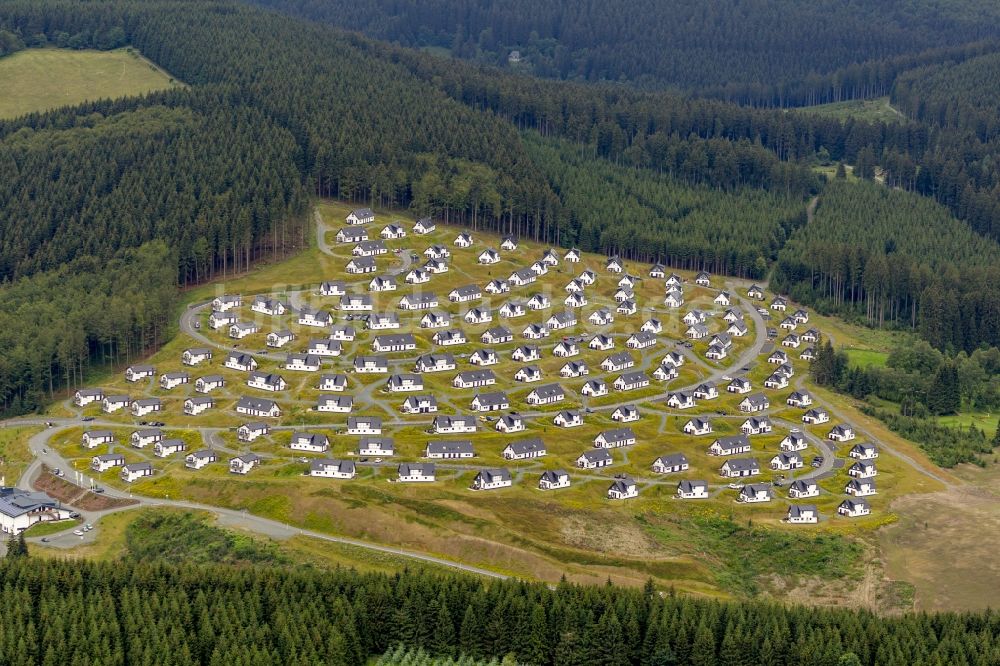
x,y
77,612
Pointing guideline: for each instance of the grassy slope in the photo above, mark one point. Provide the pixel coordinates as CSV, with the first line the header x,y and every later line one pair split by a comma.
x,y
874,110
40,79
700,548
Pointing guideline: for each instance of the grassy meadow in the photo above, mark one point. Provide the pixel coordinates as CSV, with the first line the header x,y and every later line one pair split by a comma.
x,y
41,79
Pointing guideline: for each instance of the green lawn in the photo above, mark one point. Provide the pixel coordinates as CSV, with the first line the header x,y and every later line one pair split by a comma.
x,y
985,421
866,358
51,527
875,110
42,79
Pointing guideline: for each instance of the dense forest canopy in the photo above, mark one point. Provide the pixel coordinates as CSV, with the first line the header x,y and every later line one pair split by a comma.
x,y
895,258
782,52
127,612
659,218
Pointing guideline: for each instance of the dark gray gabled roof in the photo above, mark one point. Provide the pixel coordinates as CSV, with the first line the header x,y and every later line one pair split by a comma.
x,y
525,446
492,398
618,434
733,442
476,375
549,390
742,464
596,455
673,459
468,290
409,469
441,447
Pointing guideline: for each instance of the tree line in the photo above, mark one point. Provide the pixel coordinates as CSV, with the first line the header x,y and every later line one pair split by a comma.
x,y
659,217
890,258
119,613
762,53
917,384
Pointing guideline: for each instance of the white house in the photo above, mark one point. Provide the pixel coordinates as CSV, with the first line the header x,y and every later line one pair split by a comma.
x,y
145,406
801,489
614,438
140,439
528,374
625,414
640,340
258,407
196,355
266,381
364,425
313,442
112,403
244,464
449,337
135,373
434,363
376,446
242,329
195,406
334,382
793,441
706,391
509,423
568,418
302,362
134,471
601,342
404,382
489,256
623,487
332,288
692,490
492,479
572,256
392,232
630,381
854,508
226,302
546,395
269,306
553,480
199,459
248,432
753,493
802,514
864,451
816,416
698,426
841,433
524,449
508,244
424,226
382,283
729,446
860,487
278,339
756,425
94,438
478,316
799,399
415,472
594,388
601,317
361,216
168,447
332,469
757,402
490,402
670,463
445,425
419,404
786,461
594,459
574,369
680,400
356,303
740,467
337,404
474,379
